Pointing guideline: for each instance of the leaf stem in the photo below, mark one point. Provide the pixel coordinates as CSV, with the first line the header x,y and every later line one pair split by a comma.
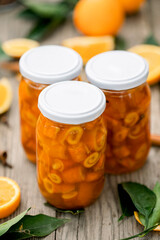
x,y
142,234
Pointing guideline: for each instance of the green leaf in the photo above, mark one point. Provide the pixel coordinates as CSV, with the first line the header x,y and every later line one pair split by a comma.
x,y
3,56
28,14
141,234
154,218
33,226
73,212
4,227
120,43
151,40
47,10
72,3
43,27
142,197
126,203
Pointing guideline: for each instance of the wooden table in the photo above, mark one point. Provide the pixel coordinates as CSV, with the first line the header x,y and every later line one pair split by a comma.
x,y
100,221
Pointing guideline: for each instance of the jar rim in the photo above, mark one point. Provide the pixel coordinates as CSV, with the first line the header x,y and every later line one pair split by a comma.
x,y
117,70
50,64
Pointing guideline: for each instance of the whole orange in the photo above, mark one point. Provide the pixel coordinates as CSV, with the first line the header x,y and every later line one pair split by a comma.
x,y
131,6
98,17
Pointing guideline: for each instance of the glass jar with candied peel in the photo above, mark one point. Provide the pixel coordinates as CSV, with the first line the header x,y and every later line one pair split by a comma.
x,y
41,67
71,143
122,77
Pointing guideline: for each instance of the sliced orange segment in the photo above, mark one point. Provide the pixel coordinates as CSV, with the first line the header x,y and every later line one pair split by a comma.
x,y
131,119
55,178
5,95
120,135
57,151
121,152
48,185
51,132
94,176
58,165
69,195
141,152
63,188
152,54
96,138
88,47
138,220
91,160
74,134
100,164
78,152
9,196
136,132
17,47
74,175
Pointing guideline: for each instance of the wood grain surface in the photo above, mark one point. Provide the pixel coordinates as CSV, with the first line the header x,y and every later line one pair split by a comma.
x,y
100,221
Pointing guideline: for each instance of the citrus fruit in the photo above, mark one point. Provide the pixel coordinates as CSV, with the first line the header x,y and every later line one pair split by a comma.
x,y
88,47
138,220
5,95
152,54
10,196
17,47
132,6
98,17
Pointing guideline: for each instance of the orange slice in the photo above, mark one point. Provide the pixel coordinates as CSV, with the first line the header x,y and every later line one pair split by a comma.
x,y
5,95
9,196
138,220
88,47
152,54
17,47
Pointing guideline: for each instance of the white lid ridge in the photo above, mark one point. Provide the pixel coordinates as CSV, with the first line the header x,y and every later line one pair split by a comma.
x,y
72,102
50,64
117,70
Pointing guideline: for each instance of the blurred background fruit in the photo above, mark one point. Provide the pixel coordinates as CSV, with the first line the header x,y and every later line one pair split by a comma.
x,y
88,47
132,6
5,95
17,47
152,55
98,17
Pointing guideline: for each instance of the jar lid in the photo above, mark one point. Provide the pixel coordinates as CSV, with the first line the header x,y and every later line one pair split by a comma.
x,y
50,64
117,70
72,102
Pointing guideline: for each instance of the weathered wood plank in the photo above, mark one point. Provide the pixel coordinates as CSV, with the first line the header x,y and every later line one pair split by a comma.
x,y
99,222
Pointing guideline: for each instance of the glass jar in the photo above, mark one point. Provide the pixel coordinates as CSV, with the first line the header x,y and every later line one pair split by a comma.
x,y
41,67
71,142
122,76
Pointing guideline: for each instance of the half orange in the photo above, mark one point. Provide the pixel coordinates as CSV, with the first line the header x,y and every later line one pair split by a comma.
x,y
9,196
17,47
152,54
88,47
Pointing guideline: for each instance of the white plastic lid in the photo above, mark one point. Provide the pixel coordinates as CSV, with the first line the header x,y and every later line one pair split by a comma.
x,y
117,70
50,64
72,102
